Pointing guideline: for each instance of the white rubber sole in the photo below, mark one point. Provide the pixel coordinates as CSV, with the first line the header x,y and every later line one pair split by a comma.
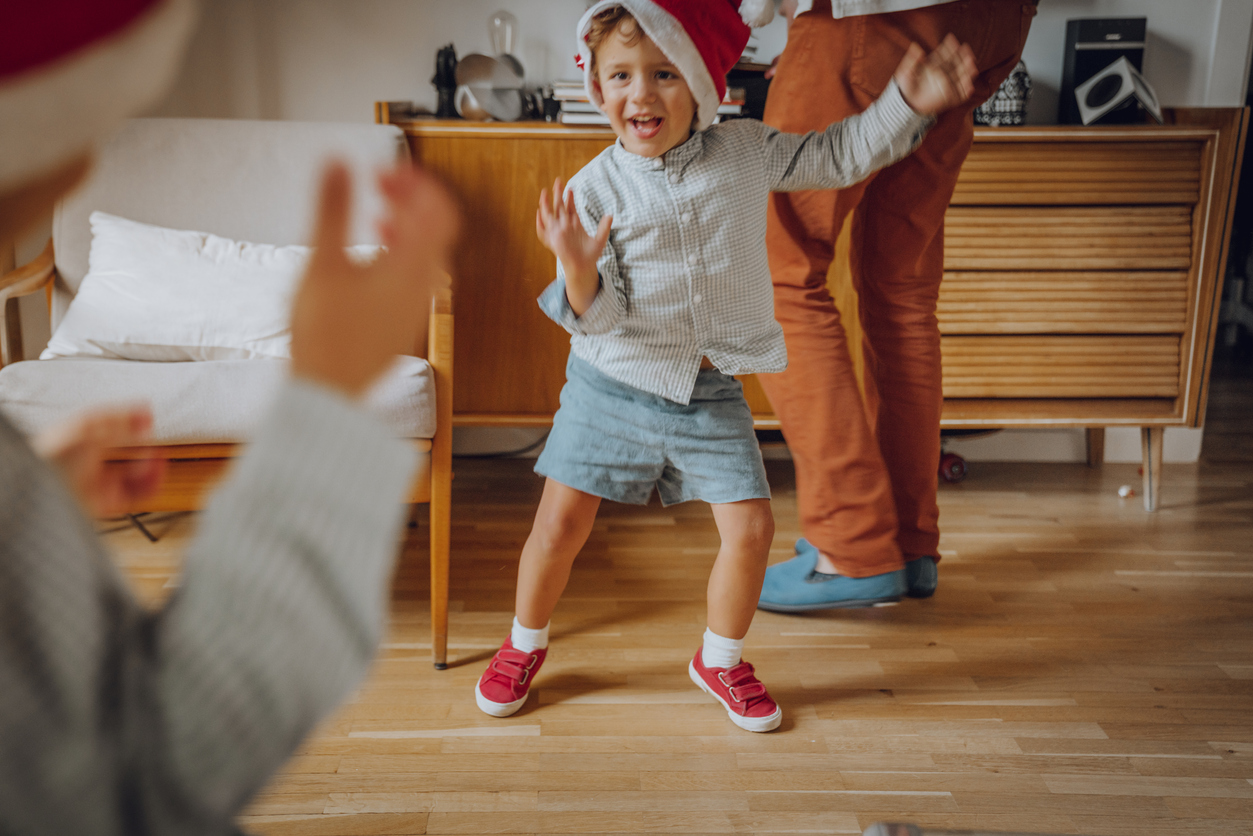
x,y
753,724
498,709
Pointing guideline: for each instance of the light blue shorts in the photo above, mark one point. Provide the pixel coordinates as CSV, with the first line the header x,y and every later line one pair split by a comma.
x,y
618,442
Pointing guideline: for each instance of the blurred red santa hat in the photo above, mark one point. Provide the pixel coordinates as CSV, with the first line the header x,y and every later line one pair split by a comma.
x,y
72,70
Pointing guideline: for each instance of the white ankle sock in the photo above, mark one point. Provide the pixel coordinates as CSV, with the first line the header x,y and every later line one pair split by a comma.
x,y
720,652
526,639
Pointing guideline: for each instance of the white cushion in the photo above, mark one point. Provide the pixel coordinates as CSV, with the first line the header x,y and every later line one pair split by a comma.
x,y
170,295
196,403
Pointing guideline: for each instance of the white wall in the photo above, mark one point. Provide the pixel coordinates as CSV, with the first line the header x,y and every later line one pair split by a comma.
x,y
1197,51
331,59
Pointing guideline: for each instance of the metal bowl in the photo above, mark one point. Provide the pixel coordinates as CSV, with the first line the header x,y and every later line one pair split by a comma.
x,y
479,104
476,70
489,88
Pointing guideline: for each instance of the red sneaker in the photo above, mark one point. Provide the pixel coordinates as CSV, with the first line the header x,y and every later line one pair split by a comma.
x,y
740,692
503,687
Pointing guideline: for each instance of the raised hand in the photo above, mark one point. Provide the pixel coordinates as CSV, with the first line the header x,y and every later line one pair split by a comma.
x,y
349,321
559,229
78,449
931,84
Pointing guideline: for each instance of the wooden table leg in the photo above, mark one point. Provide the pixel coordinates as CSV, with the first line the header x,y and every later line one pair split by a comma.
x,y
1096,446
1151,451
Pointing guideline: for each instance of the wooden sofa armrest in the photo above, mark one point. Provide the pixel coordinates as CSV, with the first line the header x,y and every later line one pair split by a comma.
x,y
439,355
30,277
36,275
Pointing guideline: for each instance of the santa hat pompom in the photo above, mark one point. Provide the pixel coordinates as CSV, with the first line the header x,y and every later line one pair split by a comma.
x,y
757,12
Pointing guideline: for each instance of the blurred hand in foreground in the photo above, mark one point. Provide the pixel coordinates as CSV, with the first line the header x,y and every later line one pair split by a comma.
x,y
349,320
79,447
931,84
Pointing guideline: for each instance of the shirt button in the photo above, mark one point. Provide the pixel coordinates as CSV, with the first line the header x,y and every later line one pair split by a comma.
x,y
686,217
693,258
697,298
674,178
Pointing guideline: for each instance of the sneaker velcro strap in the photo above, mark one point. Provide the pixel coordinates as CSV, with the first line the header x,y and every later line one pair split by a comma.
x,y
743,672
514,663
742,684
746,692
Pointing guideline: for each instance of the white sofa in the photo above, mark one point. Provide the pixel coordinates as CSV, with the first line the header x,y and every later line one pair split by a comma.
x,y
249,181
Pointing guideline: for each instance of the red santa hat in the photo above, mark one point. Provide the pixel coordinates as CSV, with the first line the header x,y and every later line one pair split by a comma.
x,y
703,38
72,70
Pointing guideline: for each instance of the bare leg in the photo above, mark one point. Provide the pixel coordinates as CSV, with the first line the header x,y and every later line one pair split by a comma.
x,y
562,525
747,530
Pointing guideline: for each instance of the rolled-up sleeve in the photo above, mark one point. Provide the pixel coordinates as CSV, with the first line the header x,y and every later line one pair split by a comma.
x,y
610,305
848,151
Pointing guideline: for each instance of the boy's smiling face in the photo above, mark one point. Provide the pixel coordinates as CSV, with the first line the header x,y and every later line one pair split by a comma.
x,y
649,105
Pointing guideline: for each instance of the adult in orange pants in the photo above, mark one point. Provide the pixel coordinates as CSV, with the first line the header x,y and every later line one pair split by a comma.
x,y
866,469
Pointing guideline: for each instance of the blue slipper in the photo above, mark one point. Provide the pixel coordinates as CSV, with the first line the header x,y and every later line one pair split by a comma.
x,y
921,577
795,586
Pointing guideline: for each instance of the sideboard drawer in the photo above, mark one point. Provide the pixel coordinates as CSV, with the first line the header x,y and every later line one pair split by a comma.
x,y
1079,173
1064,302
1094,366
1068,238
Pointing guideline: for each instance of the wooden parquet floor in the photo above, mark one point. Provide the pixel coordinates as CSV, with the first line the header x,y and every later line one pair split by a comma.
x,y
1084,668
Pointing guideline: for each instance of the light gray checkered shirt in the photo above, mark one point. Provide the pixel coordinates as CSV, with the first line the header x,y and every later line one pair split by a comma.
x,y
685,273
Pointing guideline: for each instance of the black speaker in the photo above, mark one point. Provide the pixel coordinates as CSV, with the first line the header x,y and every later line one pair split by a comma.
x,y
1092,44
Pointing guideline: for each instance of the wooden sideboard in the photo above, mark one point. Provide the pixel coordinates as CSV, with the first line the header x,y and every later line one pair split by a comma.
x,y
1082,272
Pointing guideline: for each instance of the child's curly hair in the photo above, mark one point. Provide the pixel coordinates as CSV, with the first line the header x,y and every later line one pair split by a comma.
x,y
606,23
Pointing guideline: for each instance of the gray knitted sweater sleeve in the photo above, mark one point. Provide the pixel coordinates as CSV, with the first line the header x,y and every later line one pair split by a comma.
x,y
115,719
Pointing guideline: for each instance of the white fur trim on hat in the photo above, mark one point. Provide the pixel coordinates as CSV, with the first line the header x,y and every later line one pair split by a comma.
x,y
757,12
54,114
672,39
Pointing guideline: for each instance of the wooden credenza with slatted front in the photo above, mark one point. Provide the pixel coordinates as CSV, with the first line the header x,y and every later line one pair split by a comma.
x,y
1082,272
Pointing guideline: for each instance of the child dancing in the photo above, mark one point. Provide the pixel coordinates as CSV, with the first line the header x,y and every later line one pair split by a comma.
x,y
663,283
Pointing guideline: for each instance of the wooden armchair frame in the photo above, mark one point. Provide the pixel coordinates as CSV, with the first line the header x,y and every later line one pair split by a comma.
x,y
194,469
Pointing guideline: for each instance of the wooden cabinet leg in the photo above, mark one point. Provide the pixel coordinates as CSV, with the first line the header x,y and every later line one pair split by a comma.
x,y
1151,451
1096,446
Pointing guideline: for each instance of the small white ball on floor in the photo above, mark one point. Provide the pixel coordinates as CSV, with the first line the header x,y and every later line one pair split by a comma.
x,y
1126,491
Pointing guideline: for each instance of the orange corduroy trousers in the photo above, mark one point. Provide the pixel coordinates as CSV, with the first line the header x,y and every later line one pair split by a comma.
x,y
866,470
